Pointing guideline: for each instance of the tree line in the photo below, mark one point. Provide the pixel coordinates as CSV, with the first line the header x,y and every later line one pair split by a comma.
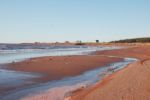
x,y
135,40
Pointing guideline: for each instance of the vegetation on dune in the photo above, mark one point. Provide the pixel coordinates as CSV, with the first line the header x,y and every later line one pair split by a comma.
x,y
135,40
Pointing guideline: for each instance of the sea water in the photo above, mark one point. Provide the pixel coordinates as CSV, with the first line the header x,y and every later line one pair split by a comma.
x,y
12,55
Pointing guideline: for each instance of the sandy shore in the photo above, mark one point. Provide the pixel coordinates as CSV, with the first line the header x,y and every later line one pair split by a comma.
x,y
131,83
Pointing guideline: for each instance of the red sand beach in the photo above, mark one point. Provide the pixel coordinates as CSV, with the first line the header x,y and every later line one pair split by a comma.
x,y
131,83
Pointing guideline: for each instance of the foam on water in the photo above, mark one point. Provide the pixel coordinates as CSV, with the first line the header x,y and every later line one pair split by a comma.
x,y
8,56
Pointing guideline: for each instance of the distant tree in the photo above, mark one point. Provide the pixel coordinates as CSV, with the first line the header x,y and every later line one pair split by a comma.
x,y
97,41
135,40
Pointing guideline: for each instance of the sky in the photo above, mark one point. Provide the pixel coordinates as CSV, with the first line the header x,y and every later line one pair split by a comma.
x,y
72,20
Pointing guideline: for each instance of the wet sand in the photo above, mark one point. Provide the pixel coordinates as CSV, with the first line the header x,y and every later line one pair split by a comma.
x,y
131,83
56,68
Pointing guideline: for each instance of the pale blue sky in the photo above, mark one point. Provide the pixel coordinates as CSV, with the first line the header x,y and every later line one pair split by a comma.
x,y
61,20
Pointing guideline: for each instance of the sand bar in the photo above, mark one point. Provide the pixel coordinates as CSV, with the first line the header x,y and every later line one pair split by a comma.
x,y
56,68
